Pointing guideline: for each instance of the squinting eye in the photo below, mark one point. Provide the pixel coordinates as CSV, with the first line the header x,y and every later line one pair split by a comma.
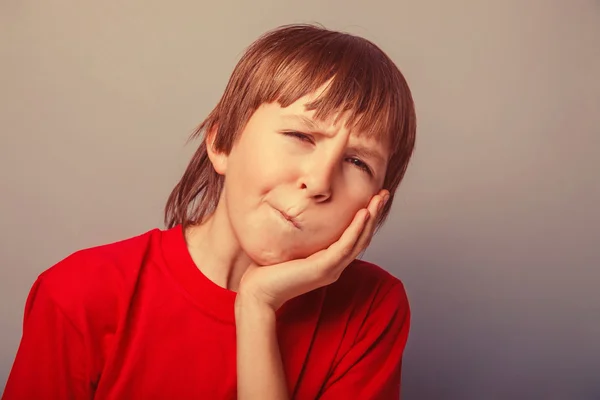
x,y
360,164
298,135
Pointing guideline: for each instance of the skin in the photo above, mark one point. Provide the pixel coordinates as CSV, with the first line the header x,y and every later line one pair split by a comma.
x,y
300,202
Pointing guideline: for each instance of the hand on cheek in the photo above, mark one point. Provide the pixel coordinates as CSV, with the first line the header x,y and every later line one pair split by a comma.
x,y
273,285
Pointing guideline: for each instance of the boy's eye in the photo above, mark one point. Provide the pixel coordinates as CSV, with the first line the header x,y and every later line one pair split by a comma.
x,y
299,135
360,164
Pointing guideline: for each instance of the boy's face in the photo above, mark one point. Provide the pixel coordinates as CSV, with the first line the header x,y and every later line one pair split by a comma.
x,y
293,184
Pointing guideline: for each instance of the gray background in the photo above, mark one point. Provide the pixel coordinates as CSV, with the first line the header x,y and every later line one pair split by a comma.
x,y
496,232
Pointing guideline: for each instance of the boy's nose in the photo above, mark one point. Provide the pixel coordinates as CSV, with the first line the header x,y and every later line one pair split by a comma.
x,y
318,181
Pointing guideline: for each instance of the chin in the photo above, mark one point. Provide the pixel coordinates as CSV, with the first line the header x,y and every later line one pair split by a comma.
x,y
270,252
267,243
264,257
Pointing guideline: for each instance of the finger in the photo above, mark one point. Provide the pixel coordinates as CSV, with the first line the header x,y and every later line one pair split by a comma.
x,y
354,242
342,248
346,249
332,261
375,209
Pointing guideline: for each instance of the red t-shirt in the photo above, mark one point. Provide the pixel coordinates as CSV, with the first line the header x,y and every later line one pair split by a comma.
x,y
137,319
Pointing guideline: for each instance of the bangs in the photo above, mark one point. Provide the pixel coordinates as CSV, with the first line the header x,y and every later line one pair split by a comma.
x,y
363,84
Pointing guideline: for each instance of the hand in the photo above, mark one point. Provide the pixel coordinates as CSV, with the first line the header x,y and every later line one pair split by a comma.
x,y
273,285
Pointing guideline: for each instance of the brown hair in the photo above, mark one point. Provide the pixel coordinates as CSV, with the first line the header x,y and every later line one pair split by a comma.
x,y
284,65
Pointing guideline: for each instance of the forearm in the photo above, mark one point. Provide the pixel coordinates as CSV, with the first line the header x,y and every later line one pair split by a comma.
x,y
260,373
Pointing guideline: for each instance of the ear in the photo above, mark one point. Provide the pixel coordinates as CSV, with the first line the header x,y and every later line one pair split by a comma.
x,y
217,158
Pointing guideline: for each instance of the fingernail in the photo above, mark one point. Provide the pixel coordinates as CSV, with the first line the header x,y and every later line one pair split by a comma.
x,y
380,205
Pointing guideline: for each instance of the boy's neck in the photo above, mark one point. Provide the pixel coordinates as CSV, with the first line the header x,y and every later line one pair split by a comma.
x,y
216,251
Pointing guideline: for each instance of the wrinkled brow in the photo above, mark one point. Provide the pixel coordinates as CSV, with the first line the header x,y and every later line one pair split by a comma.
x,y
305,121
360,150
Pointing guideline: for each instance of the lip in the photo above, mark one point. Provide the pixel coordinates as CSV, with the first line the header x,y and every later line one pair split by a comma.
x,y
292,220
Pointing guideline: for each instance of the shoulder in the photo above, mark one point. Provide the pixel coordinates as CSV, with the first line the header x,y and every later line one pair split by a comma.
x,y
93,280
366,306
98,263
367,298
367,317
363,281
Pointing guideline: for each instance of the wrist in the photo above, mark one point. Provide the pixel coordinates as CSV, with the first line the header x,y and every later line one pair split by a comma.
x,y
248,304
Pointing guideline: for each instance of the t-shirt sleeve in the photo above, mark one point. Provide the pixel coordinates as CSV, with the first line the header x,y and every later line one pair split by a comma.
x,y
50,361
371,369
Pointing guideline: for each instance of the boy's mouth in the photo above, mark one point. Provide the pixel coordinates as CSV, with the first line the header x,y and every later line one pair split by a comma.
x,y
291,220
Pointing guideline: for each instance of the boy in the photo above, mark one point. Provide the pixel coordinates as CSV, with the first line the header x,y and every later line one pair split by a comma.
x,y
252,291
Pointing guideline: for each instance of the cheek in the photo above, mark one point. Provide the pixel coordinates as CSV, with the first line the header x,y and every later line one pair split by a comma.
x,y
334,221
339,220
261,173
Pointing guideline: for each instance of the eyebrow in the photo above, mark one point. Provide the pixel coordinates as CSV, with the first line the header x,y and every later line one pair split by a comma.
x,y
309,123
